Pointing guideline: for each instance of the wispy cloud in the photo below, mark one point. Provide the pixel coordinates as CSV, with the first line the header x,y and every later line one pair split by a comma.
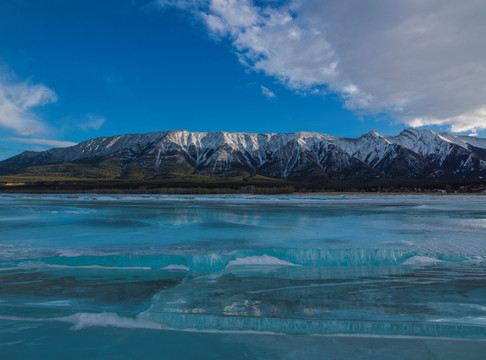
x,y
17,102
47,142
183,4
92,122
267,92
420,62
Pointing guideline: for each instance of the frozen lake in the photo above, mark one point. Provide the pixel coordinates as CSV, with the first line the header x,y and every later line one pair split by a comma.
x,y
242,276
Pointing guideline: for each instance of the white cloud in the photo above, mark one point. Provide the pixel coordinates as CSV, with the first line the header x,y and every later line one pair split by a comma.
x,y
421,62
93,122
16,106
48,142
267,92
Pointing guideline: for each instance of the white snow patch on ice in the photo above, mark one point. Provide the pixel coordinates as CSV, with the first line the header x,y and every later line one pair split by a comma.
x,y
421,260
260,260
176,267
84,320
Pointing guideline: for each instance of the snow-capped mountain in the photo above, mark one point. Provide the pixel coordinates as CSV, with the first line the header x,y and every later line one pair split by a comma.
x,y
413,154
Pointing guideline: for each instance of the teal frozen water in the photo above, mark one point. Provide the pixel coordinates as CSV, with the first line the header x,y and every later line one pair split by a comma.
x,y
107,276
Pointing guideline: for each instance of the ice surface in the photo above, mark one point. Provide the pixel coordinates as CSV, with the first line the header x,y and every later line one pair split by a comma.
x,y
399,266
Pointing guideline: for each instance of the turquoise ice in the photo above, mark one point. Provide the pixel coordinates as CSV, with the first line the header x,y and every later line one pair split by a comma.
x,y
399,271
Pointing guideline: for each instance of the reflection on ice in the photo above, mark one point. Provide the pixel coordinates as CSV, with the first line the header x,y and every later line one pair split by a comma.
x,y
90,225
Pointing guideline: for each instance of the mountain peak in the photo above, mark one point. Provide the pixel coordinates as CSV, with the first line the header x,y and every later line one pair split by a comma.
x,y
373,133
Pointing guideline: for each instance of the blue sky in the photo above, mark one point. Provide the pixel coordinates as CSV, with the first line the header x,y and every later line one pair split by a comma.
x,y
74,70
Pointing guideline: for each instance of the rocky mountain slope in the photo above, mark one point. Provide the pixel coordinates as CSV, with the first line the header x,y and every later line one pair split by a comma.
x,y
418,155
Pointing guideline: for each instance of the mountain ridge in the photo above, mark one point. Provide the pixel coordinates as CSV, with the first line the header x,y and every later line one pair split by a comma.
x,y
415,154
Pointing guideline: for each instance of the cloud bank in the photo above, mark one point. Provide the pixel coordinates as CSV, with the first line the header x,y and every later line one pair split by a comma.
x,y
422,62
17,102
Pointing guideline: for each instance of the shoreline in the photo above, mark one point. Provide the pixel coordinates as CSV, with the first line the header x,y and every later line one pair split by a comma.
x,y
220,187
297,193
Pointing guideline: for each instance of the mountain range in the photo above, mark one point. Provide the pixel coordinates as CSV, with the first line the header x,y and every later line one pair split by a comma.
x,y
417,155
